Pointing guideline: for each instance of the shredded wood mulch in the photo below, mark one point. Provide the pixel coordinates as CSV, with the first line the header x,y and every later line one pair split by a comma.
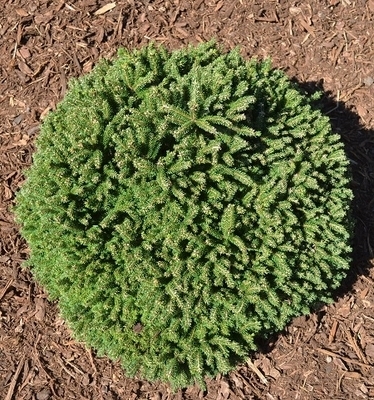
x,y
326,45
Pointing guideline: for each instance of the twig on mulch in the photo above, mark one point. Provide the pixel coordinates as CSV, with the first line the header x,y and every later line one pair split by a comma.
x,y
349,93
89,352
346,359
333,331
257,372
355,346
60,362
14,379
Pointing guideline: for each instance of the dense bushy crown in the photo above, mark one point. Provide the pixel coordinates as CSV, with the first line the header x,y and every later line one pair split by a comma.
x,y
183,204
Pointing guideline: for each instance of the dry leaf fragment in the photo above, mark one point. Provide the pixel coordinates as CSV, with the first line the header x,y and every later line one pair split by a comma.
x,y
22,142
268,369
44,18
44,394
17,120
86,380
8,194
340,25
294,10
238,382
224,390
362,111
369,350
100,33
339,363
24,68
105,9
345,310
363,293
45,112
22,12
24,52
137,328
369,80
182,32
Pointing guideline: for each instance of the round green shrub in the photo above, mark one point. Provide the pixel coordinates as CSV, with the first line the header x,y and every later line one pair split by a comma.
x,y
182,205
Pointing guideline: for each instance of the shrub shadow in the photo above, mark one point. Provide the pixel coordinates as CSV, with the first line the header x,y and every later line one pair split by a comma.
x,y
359,147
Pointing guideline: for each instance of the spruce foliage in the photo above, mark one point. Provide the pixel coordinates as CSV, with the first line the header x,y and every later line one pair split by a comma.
x,y
181,205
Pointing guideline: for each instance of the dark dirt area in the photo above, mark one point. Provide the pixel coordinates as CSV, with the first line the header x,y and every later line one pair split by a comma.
x,y
326,45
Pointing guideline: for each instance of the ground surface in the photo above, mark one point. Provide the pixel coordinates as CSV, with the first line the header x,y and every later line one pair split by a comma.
x,y
326,44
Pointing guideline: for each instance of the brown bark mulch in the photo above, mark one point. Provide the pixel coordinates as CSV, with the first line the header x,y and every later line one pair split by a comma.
x,y
326,45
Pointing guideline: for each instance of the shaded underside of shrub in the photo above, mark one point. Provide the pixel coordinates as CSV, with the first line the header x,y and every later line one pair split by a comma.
x,y
181,204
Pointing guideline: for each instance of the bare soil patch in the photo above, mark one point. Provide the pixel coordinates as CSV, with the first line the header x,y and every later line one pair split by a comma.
x,y
327,45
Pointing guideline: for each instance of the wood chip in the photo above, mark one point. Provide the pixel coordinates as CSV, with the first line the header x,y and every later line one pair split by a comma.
x,y
352,375
333,331
310,29
105,9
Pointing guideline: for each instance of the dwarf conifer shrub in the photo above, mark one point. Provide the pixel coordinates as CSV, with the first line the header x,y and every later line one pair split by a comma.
x,y
181,205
